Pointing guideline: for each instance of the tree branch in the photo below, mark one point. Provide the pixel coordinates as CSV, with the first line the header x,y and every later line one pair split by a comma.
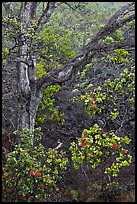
x,y
9,8
114,22
64,74
95,47
45,15
75,7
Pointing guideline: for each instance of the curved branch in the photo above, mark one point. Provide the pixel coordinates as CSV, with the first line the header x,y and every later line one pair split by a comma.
x,y
115,22
45,15
95,47
64,74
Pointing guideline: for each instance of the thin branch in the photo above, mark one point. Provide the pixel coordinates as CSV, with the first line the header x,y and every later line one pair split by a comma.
x,y
71,7
122,12
9,8
45,15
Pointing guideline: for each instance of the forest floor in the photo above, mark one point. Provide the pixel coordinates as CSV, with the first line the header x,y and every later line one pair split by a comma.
x,y
88,190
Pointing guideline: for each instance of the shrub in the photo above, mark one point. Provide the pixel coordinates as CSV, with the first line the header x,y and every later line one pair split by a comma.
x,y
101,149
104,149
30,172
115,101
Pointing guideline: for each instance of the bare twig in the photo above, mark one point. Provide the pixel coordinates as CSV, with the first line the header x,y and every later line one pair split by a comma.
x,y
45,15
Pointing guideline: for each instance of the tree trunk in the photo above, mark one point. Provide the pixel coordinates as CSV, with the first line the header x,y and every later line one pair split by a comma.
x,y
28,98
19,108
27,109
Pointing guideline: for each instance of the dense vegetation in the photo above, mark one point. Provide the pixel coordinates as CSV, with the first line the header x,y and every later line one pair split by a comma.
x,y
84,134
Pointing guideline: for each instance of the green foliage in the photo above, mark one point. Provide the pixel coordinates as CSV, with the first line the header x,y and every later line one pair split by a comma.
x,y
82,85
108,40
117,36
10,29
119,56
56,48
40,72
5,54
110,96
74,194
114,99
84,72
30,171
47,103
95,147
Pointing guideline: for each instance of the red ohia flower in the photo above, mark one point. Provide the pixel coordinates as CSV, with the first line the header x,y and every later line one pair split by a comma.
x,y
32,172
84,144
38,174
94,106
92,100
114,146
4,169
42,185
47,178
125,150
83,137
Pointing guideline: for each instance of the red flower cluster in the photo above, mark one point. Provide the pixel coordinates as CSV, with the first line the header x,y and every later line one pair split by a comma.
x,y
42,185
38,174
4,169
114,146
84,144
125,150
32,172
47,178
83,137
94,106
92,100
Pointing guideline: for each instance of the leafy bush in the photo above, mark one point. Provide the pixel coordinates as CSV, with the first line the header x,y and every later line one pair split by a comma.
x,y
46,107
30,172
119,56
55,48
103,147
116,36
114,101
97,147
